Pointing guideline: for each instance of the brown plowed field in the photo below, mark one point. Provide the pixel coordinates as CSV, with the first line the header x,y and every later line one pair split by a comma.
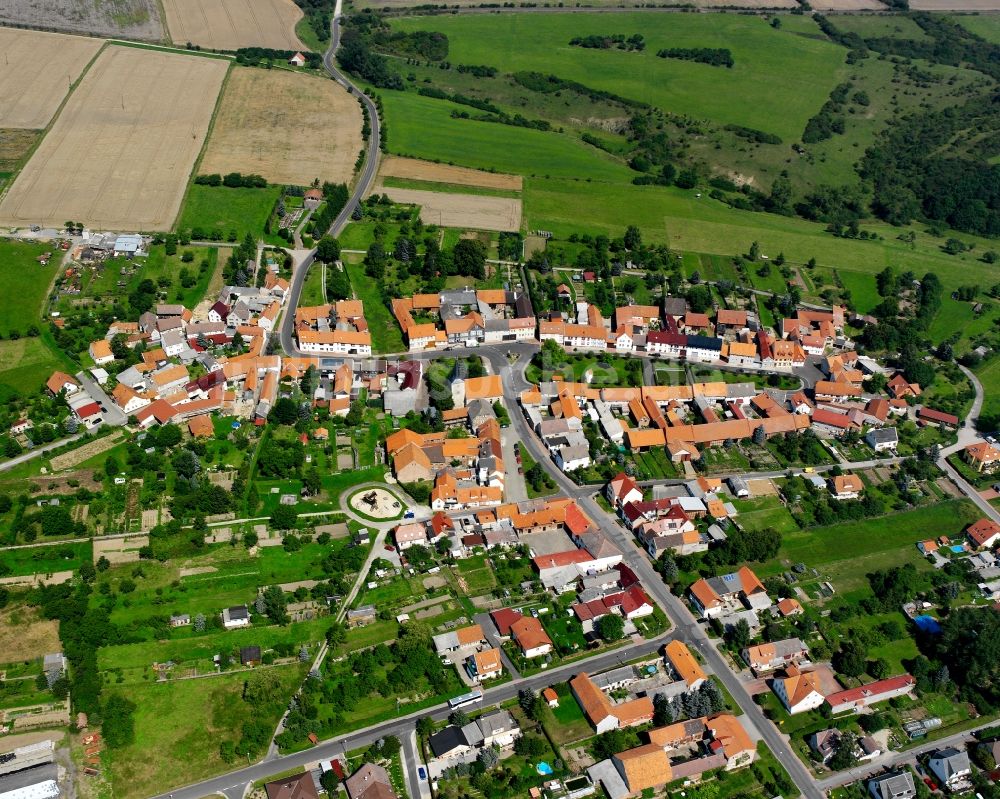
x,y
36,74
461,210
120,153
286,126
415,169
231,24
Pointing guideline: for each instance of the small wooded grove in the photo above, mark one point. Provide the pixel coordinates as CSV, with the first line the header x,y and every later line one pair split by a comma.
x,y
713,56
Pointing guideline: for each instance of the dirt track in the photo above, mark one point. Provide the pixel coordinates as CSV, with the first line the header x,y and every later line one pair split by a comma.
x,y
231,24
36,74
415,169
121,151
286,126
461,210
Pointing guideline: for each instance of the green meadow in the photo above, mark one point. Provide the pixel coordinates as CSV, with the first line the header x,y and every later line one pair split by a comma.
x,y
422,127
779,80
227,211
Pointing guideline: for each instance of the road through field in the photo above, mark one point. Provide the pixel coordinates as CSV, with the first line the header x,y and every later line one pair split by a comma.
x,y
364,182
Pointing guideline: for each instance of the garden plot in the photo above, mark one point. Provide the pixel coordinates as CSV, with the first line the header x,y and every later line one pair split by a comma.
x,y
469,211
288,127
120,550
232,24
36,74
121,151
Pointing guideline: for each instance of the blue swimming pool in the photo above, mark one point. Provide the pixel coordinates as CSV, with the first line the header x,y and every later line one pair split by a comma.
x,y
928,624
957,548
544,768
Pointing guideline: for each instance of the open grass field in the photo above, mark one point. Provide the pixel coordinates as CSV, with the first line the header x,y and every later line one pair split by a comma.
x,y
386,335
686,222
231,212
287,126
985,25
470,211
25,279
231,24
427,171
30,95
120,153
956,5
45,560
25,635
423,128
880,26
25,365
845,553
779,80
132,19
183,722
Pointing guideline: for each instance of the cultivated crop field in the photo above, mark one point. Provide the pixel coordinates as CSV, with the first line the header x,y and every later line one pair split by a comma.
x,y
231,24
132,19
471,211
778,81
30,95
415,169
288,127
120,154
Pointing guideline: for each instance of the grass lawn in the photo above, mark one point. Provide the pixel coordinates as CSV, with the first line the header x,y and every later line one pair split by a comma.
x,y
202,647
779,80
184,722
566,723
477,574
761,512
25,365
864,293
25,279
226,210
312,288
985,25
702,225
44,560
423,128
386,335
845,553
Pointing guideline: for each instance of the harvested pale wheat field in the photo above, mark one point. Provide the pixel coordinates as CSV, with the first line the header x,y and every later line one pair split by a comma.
x,y
37,72
415,169
471,211
231,24
120,153
286,126
132,19
848,5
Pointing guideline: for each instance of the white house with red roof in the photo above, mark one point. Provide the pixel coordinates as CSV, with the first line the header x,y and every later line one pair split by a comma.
x,y
983,534
622,489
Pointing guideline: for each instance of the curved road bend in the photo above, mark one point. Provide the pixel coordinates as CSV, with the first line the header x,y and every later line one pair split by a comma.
x,y
365,180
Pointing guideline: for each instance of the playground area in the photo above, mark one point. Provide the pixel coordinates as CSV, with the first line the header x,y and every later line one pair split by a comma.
x,y
376,503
